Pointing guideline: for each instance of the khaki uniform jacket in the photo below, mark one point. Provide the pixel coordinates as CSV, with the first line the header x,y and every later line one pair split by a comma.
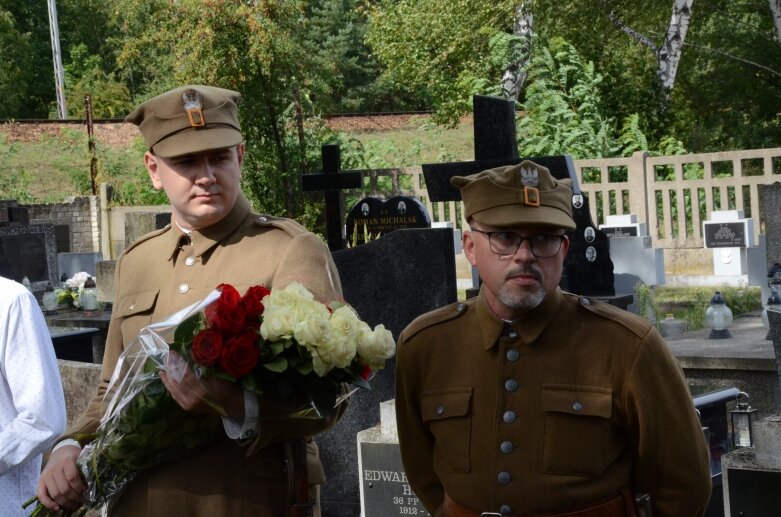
x,y
166,271
574,401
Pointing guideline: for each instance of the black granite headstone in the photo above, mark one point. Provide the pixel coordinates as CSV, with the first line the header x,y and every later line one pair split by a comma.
x,y
372,217
391,281
162,219
62,236
29,251
725,235
18,215
588,269
386,490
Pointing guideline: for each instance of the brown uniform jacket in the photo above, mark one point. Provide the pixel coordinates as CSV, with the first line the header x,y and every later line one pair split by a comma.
x,y
166,271
574,401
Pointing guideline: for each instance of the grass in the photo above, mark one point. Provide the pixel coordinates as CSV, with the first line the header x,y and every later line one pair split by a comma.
x,y
689,303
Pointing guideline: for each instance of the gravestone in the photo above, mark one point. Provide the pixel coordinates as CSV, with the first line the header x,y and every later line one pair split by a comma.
x,y
634,260
28,250
372,217
770,215
385,489
588,269
71,263
728,233
391,280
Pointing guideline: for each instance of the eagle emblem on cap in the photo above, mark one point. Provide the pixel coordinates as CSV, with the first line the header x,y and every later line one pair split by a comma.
x,y
530,177
193,106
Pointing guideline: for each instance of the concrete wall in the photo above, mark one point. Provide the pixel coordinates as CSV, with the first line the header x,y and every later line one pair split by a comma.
x,y
81,214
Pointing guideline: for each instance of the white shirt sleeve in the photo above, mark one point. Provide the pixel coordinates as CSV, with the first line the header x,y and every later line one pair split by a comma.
x,y
32,404
242,430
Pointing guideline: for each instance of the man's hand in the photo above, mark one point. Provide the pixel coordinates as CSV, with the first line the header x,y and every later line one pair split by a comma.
x,y
60,485
205,395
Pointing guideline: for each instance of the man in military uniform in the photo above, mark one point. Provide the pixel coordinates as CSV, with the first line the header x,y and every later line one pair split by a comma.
x,y
195,155
527,400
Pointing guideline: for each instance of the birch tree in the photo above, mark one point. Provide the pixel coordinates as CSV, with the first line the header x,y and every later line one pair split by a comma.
x,y
515,74
775,8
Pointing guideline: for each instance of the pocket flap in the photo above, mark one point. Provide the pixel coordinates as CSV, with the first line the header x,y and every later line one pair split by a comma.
x,y
446,403
136,303
578,400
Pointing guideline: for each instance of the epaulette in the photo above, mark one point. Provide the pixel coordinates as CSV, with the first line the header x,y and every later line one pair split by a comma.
x,y
435,317
289,226
146,237
632,322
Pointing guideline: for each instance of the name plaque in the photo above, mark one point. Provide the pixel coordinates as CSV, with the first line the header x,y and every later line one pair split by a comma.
x,y
620,231
725,235
386,490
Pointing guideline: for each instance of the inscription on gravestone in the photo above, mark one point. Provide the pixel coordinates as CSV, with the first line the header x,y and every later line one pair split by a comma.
x,y
725,235
374,217
385,487
25,257
620,231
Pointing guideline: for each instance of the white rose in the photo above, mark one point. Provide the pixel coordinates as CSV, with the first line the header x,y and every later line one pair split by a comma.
x,y
312,331
278,323
319,366
377,346
338,352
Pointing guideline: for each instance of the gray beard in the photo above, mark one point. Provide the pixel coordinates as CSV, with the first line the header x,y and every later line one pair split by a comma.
x,y
525,301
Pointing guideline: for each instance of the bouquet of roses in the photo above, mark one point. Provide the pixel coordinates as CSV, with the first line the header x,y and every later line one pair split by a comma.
x,y
283,345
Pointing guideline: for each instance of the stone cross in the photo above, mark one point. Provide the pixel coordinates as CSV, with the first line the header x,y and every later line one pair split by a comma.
x,y
332,182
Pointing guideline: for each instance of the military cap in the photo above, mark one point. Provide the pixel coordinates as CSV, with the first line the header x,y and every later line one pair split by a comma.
x,y
189,120
516,195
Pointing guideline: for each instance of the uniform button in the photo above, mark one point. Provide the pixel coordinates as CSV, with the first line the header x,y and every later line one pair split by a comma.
x,y
132,307
262,219
577,406
585,301
508,417
513,334
506,447
249,433
505,510
511,385
189,261
513,355
440,410
460,307
183,288
504,478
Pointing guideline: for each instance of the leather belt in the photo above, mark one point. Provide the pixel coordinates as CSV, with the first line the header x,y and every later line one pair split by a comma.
x,y
621,505
299,504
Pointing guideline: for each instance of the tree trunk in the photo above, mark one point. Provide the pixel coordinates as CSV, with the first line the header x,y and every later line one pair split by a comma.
x,y
515,74
775,8
670,52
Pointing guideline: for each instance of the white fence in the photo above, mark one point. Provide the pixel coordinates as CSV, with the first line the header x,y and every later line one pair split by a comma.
x,y
673,195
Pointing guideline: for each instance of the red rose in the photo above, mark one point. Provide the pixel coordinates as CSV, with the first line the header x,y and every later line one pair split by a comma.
x,y
252,304
207,347
366,372
240,354
226,313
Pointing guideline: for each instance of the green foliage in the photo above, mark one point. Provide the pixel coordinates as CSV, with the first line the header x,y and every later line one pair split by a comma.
x,y
441,53
562,110
84,75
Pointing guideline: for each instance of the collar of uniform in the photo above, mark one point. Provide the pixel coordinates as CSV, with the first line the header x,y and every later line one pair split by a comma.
x,y
206,238
529,326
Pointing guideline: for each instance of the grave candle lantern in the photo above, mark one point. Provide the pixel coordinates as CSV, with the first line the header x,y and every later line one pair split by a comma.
x,y
49,299
743,418
718,316
89,298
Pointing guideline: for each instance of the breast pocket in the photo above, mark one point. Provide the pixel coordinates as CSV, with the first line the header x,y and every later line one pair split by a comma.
x,y
576,429
135,310
447,413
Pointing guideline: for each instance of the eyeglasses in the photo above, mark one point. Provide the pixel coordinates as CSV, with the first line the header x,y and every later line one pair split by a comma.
x,y
507,243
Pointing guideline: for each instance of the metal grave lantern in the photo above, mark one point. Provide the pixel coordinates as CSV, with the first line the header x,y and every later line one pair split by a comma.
x,y
743,418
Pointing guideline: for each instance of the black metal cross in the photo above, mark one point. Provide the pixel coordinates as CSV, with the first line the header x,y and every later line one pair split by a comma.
x,y
332,182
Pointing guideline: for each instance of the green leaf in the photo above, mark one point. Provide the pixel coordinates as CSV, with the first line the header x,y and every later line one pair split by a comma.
x,y
279,365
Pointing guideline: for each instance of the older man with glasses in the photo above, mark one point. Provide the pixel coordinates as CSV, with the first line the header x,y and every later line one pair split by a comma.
x,y
528,400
